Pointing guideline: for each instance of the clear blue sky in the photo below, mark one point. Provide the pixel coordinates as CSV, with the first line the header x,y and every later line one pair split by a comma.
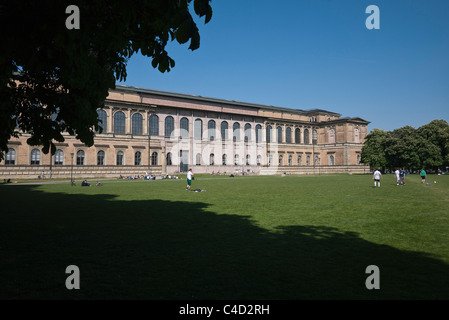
x,y
307,54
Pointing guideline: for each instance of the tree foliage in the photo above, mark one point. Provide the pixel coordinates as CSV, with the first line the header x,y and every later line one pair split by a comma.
x,y
407,147
53,79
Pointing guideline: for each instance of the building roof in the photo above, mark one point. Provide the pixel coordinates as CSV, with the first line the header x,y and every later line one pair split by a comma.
x,y
223,101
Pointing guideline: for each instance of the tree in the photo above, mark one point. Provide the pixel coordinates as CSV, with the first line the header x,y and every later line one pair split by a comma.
x,y
401,148
436,135
373,150
53,79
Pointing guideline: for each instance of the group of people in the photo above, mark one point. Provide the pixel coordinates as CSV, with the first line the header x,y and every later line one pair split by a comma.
x,y
87,184
399,175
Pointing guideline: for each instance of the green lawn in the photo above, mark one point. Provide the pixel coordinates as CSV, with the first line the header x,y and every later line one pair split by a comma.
x,y
294,237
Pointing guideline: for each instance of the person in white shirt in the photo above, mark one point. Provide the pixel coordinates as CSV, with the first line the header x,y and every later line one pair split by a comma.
x,y
396,173
189,179
377,176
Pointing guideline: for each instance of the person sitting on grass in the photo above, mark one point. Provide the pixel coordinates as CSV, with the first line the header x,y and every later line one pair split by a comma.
x,y
85,184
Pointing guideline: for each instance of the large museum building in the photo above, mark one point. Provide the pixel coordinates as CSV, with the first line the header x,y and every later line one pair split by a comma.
x,y
154,132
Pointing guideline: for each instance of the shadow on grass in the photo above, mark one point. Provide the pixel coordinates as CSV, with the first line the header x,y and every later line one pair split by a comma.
x,y
157,249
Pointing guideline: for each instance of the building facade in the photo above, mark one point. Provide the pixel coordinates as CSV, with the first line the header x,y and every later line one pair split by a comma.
x,y
150,131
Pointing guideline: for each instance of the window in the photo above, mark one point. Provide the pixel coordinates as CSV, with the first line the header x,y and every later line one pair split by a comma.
x,y
100,158
184,126
168,158
268,133
306,136
258,133
35,157
281,160
154,159
211,129
248,158
297,136
290,160
331,135
247,132
236,131
236,159
299,161
80,158
331,160
358,159
10,157
270,159
169,126
138,158
137,121
198,159
224,159
119,123
120,158
279,134
259,159
317,160
102,124
154,125
211,159
224,130
356,135
308,160
59,158
198,129
314,137
288,135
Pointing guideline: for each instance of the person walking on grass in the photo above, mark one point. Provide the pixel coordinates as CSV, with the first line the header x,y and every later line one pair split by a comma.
x,y
423,176
377,176
402,177
396,173
189,179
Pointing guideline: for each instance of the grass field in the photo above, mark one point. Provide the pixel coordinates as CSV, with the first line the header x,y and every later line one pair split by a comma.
x,y
294,237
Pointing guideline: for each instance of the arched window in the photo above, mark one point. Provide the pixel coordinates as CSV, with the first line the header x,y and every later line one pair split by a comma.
x,y
281,160
138,158
224,159
259,159
211,129
268,133
331,135
211,159
331,160
80,158
299,161
247,132
236,131
288,135
198,159
198,129
35,157
119,123
168,159
279,134
184,126
290,160
358,159
154,159
297,136
356,135
317,160
248,158
270,159
103,123
236,160
10,156
306,136
308,160
258,133
154,125
59,158
314,137
169,126
100,158
120,158
137,124
224,130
